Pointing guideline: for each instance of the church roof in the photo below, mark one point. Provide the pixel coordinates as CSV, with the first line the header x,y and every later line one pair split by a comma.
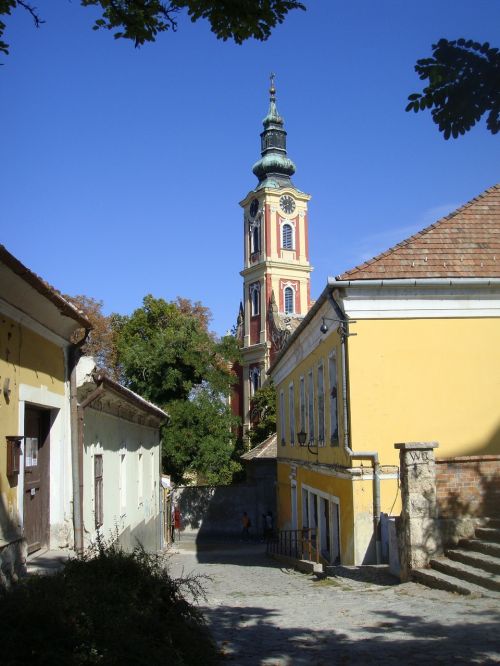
x,y
465,243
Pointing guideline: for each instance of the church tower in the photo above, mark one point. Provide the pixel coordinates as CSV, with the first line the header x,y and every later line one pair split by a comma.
x,y
276,272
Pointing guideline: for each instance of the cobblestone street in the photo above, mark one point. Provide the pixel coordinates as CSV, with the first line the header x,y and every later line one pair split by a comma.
x,y
263,614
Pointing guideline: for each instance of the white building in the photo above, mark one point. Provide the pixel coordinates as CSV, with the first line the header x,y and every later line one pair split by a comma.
x,y
121,461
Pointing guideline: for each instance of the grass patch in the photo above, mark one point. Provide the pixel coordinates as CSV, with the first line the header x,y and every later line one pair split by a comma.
x,y
108,607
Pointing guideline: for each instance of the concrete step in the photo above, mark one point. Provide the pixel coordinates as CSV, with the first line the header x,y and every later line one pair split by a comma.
x,y
465,572
492,522
478,545
441,581
488,534
475,559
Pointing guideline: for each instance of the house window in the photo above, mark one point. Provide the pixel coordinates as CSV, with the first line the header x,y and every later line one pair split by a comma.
x,y
282,417
310,405
302,404
287,237
255,299
289,300
98,492
123,483
321,406
334,421
291,413
140,479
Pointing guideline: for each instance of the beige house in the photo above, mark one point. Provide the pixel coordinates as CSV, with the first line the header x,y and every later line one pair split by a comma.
x,y
37,331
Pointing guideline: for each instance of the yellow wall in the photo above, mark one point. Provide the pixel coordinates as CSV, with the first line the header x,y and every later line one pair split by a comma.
x,y
25,358
327,453
424,380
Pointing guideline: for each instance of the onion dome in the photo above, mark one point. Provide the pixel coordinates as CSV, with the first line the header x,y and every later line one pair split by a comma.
x,y
274,167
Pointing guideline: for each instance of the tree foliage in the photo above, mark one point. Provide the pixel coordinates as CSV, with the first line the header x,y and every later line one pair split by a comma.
x,y
142,20
464,84
167,354
165,350
101,341
200,439
263,411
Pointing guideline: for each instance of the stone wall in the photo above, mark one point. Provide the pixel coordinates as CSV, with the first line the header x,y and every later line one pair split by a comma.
x,y
212,511
468,485
468,490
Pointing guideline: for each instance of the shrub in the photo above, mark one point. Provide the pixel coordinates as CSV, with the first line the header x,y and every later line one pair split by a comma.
x,y
108,607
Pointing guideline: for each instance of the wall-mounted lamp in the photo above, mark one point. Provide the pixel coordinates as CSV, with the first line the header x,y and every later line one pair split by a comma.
x,y
302,437
324,328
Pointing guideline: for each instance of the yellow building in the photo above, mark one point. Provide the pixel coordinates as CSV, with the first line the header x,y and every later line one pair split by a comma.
x,y
36,330
405,347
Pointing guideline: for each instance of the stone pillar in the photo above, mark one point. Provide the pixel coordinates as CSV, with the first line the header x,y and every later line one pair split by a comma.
x,y
418,529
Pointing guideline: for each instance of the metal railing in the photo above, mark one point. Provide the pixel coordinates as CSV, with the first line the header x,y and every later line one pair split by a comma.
x,y
299,544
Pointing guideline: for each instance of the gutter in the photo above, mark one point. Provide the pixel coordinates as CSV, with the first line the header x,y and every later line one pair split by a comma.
x,y
357,455
416,282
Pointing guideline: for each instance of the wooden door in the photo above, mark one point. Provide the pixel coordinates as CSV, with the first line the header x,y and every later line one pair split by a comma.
x,y
36,477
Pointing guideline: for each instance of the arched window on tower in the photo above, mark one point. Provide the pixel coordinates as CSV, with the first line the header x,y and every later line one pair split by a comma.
x,y
254,380
287,237
289,300
255,239
255,299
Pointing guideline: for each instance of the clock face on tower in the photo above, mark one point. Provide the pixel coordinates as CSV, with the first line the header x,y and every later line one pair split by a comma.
x,y
254,207
287,204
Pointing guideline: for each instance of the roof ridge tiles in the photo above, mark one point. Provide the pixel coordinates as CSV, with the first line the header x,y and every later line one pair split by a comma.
x,y
418,236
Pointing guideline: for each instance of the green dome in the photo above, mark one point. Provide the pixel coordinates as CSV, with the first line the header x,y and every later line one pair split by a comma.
x,y
274,167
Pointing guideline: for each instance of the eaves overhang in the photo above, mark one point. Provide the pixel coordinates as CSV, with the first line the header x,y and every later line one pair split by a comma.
x,y
25,291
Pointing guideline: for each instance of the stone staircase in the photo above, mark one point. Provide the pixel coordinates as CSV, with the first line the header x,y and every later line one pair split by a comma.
x,y
471,568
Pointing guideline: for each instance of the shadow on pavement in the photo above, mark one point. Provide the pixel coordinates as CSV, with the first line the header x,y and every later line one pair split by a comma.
x,y
251,636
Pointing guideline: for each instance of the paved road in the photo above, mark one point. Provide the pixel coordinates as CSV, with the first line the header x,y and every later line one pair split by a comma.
x,y
262,614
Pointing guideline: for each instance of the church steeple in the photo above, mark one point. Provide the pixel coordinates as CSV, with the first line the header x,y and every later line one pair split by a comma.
x,y
274,167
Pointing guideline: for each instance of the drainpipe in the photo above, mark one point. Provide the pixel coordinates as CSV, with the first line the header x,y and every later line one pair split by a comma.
x,y
357,455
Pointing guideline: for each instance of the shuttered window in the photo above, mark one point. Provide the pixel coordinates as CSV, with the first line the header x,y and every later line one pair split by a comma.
x,y
289,298
98,491
287,237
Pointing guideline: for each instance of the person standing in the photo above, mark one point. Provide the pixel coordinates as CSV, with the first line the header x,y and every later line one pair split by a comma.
x,y
245,524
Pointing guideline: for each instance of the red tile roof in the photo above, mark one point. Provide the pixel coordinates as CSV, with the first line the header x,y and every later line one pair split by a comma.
x,y
465,243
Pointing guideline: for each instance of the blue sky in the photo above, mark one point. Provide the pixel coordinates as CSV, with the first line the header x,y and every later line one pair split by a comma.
x,y
122,168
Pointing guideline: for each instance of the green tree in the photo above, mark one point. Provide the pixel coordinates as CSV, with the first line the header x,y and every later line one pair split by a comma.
x,y
142,20
464,84
200,439
167,354
263,412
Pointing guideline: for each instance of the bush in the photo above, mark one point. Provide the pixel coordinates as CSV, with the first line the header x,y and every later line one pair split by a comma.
x,y
108,607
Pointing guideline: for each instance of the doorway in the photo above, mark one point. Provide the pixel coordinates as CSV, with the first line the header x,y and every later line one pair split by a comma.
x,y
36,477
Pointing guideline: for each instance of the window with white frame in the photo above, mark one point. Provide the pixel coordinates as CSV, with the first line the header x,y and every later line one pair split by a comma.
x,y
291,413
287,236
123,481
255,298
98,491
255,238
333,389
282,417
140,478
289,298
302,404
310,404
321,406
